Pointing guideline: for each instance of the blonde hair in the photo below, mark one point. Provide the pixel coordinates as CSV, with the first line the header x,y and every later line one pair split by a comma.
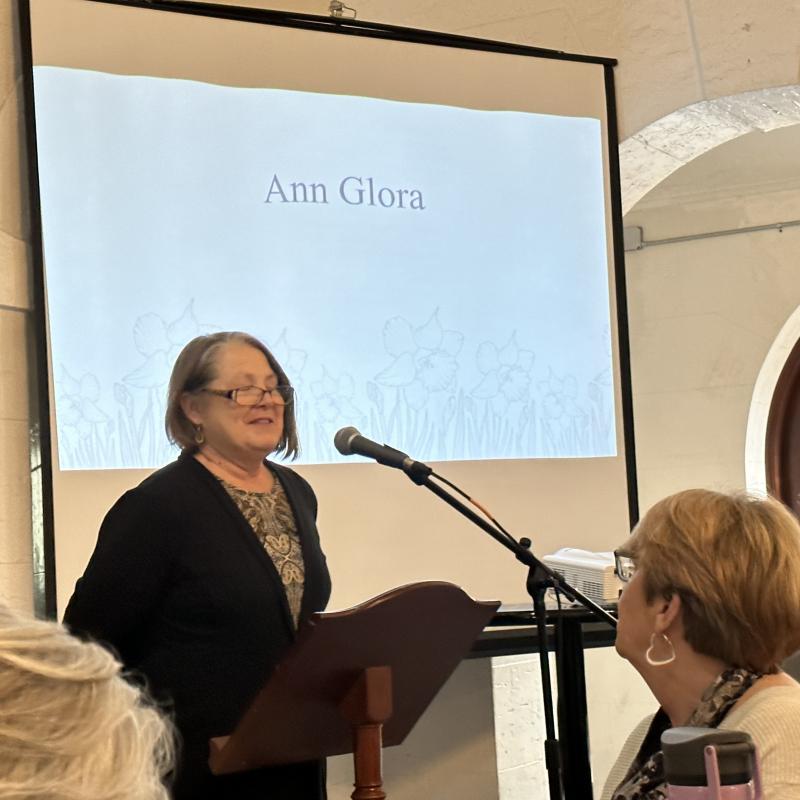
x,y
194,369
734,560
70,726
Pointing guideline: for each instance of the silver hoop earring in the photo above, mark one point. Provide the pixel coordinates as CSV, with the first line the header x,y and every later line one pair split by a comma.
x,y
199,436
654,662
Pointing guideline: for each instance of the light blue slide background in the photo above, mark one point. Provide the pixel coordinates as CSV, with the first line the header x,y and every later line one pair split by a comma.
x,y
476,328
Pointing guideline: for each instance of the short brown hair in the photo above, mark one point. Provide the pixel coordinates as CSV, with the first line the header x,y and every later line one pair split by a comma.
x,y
734,560
195,368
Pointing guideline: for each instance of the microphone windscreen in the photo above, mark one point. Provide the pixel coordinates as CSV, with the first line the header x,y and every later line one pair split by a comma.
x,y
344,438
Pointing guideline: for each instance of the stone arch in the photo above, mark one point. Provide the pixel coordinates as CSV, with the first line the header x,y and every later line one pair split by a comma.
x,y
781,352
658,150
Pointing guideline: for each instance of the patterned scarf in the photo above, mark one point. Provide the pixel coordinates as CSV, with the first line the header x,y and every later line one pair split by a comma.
x,y
645,778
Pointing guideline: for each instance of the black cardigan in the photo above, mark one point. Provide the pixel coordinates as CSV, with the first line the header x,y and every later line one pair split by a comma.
x,y
180,587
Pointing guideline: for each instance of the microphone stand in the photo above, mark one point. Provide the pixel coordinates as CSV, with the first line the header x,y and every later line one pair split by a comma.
x,y
540,578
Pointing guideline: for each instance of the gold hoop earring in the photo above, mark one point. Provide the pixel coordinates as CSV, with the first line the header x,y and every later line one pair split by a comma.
x,y
199,436
655,662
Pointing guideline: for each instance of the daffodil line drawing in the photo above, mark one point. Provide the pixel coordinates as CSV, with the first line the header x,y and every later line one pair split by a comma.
x,y
438,395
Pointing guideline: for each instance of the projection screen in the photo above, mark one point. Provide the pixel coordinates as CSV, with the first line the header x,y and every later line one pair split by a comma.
x,y
421,228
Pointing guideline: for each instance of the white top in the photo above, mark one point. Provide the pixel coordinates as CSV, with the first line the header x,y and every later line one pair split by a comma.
x,y
771,717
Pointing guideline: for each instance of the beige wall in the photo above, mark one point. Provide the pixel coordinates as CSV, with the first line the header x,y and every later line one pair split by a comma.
x,y
703,316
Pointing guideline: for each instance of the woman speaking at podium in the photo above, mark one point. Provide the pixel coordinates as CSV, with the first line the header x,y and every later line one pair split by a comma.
x,y
202,574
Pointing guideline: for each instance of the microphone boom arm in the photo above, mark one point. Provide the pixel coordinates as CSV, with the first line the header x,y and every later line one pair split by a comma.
x,y
522,553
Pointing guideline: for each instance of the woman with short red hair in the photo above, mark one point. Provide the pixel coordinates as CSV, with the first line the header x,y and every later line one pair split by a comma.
x,y
710,609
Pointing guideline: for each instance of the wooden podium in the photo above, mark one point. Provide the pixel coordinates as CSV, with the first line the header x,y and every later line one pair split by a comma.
x,y
356,681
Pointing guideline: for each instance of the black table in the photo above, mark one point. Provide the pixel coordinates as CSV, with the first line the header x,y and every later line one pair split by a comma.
x,y
513,632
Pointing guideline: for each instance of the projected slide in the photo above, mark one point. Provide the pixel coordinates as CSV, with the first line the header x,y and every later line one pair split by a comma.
x,y
435,276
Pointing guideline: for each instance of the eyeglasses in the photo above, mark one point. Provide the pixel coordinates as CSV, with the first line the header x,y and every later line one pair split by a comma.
x,y
254,395
624,566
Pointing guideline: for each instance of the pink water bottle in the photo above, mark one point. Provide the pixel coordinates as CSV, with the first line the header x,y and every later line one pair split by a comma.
x,y
709,764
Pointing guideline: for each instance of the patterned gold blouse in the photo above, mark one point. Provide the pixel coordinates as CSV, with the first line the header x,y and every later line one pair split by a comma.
x,y
270,516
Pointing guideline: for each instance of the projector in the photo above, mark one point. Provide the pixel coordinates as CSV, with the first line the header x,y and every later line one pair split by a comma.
x,y
590,573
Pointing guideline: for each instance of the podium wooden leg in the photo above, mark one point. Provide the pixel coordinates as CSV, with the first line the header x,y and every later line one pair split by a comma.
x,y
367,743
366,706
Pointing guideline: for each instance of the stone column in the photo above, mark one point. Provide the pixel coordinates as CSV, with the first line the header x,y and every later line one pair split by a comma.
x,y
16,585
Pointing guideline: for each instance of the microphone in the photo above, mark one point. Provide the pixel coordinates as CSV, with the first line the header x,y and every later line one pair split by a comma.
x,y
349,442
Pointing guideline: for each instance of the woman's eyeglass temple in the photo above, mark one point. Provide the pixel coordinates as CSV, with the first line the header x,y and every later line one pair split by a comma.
x,y
254,395
624,566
